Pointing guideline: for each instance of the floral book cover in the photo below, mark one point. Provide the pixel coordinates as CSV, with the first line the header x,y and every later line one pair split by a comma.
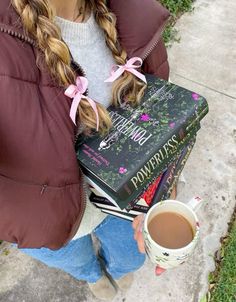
x,y
143,140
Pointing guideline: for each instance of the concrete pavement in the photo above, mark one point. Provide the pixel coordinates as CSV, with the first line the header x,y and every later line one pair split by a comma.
x,y
205,62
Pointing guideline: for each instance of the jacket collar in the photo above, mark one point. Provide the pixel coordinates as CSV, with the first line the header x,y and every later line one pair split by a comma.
x,y
137,37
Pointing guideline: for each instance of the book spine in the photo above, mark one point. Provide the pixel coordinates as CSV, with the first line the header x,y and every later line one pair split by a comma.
x,y
138,205
159,190
99,200
168,180
159,155
104,204
125,216
102,200
179,168
146,190
140,208
171,177
153,168
94,187
164,184
135,203
197,117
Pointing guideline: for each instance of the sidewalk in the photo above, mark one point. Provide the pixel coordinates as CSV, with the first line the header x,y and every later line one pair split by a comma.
x,y
204,62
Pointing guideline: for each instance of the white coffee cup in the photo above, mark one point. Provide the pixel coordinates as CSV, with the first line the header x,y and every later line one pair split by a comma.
x,y
165,257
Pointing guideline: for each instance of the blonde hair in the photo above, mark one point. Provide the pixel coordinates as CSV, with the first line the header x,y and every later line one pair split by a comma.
x,y
38,20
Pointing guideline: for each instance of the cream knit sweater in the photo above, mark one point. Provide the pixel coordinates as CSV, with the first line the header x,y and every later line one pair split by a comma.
x,y
86,42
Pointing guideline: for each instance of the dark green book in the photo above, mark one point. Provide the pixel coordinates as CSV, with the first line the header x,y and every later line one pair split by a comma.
x,y
143,140
171,176
167,180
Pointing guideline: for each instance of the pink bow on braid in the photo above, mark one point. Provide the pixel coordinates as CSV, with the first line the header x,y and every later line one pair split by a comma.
x,y
75,92
129,66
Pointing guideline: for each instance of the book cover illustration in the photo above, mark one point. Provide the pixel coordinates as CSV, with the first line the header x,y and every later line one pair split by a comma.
x,y
130,202
144,200
146,135
158,190
172,174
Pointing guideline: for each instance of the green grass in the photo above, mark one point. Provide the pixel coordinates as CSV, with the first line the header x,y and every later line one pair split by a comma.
x,y
176,8
223,280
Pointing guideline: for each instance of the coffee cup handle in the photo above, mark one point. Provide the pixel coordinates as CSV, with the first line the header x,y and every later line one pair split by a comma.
x,y
195,203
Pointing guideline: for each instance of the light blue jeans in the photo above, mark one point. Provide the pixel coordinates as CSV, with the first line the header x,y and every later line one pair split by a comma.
x,y
118,249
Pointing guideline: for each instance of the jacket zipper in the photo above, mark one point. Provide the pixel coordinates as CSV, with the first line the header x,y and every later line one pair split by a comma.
x,y
28,183
44,187
75,64
147,53
153,45
18,35
31,41
84,196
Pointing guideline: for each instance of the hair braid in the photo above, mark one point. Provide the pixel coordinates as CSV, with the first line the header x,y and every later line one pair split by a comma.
x,y
128,85
37,17
38,20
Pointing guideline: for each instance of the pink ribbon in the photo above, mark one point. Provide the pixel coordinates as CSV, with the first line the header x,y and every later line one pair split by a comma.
x,y
75,92
129,66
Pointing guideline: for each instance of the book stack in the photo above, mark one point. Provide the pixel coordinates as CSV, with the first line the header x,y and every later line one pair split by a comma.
x,y
139,161
159,190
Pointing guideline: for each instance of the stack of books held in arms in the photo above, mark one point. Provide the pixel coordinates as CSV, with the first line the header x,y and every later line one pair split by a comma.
x,y
138,163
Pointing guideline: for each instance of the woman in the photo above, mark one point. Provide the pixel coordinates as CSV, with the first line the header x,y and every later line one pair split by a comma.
x,y
45,46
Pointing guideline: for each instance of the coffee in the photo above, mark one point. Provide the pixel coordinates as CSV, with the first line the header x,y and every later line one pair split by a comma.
x,y
170,230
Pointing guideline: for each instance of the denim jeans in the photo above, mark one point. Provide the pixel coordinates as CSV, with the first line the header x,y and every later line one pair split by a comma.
x,y
118,250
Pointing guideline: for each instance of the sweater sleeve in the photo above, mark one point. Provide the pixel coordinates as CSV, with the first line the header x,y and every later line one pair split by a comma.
x,y
91,219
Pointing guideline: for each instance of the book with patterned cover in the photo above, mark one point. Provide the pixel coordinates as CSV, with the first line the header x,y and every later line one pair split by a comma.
x,y
159,190
143,141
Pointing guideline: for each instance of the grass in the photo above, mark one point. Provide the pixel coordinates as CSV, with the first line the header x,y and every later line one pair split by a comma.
x,y
222,282
176,8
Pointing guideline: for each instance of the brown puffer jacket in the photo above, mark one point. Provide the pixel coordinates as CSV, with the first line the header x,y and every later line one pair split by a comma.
x,y
41,195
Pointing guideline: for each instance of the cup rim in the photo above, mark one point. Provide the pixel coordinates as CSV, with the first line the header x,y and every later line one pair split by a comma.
x,y
187,207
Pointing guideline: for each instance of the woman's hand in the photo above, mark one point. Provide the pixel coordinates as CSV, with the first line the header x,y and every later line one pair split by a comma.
x,y
138,235
138,225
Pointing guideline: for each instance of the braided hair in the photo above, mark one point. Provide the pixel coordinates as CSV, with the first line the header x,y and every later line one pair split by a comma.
x,y
38,20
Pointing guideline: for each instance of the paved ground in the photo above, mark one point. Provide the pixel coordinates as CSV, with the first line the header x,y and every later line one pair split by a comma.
x,y
205,62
